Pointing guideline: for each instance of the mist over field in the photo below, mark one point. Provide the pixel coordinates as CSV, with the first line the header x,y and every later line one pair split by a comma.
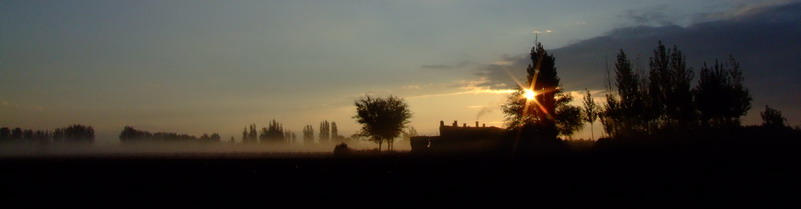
x,y
181,149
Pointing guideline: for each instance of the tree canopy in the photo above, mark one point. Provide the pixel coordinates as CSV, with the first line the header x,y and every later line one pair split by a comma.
x,y
382,119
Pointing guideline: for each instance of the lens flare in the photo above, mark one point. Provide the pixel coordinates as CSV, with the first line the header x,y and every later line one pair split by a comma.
x,y
529,94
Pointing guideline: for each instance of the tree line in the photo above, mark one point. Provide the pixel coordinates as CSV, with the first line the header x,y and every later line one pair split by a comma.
x,y
132,135
274,132
664,99
637,103
70,134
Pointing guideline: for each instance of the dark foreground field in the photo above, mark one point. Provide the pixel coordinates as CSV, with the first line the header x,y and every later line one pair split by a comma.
x,y
655,178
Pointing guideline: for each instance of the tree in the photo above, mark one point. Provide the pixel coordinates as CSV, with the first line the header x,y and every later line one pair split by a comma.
x,y
720,95
245,136
325,132
773,118
5,134
382,118
249,134
274,132
16,133
308,134
669,93
74,133
568,117
534,106
335,132
590,112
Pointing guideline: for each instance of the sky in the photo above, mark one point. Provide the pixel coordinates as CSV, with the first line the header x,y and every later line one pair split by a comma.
x,y
216,66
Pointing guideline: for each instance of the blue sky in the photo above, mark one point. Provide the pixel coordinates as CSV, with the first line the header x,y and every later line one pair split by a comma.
x,y
216,66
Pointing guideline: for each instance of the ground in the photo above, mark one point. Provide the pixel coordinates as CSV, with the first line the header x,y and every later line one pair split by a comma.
x,y
618,178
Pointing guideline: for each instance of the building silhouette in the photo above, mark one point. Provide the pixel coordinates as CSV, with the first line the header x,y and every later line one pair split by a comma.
x,y
459,138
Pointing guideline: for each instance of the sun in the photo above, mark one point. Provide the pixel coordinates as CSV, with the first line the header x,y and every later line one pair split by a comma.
x,y
529,94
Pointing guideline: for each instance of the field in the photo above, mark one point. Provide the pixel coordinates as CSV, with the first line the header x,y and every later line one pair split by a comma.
x,y
652,178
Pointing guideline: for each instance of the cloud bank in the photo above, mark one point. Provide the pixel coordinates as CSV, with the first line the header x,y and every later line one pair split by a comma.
x,y
764,38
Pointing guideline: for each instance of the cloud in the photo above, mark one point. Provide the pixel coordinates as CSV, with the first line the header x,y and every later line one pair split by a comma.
x,y
654,16
742,11
764,38
467,87
8,104
505,72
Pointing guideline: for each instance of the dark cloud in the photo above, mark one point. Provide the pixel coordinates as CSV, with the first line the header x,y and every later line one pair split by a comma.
x,y
766,41
654,16
504,72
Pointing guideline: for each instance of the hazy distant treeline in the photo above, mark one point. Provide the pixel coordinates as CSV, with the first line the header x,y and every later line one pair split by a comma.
x,y
130,134
274,132
74,133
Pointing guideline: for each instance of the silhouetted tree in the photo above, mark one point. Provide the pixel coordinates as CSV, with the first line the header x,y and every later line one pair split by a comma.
x,y
245,135
541,79
252,134
720,95
382,118
215,137
568,117
590,112
132,135
335,132
773,118
540,113
325,131
5,134
308,134
249,134
25,135
74,133
669,88
16,133
289,136
273,133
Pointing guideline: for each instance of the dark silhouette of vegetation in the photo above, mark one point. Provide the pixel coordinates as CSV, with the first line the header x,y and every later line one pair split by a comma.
x,y
664,100
669,89
772,118
308,134
548,112
25,135
249,134
568,117
626,111
71,134
74,134
382,119
341,149
273,133
720,95
590,112
335,133
543,82
325,132
132,135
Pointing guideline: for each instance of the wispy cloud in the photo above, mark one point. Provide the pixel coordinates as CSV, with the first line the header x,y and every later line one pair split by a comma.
x,y
8,104
742,11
